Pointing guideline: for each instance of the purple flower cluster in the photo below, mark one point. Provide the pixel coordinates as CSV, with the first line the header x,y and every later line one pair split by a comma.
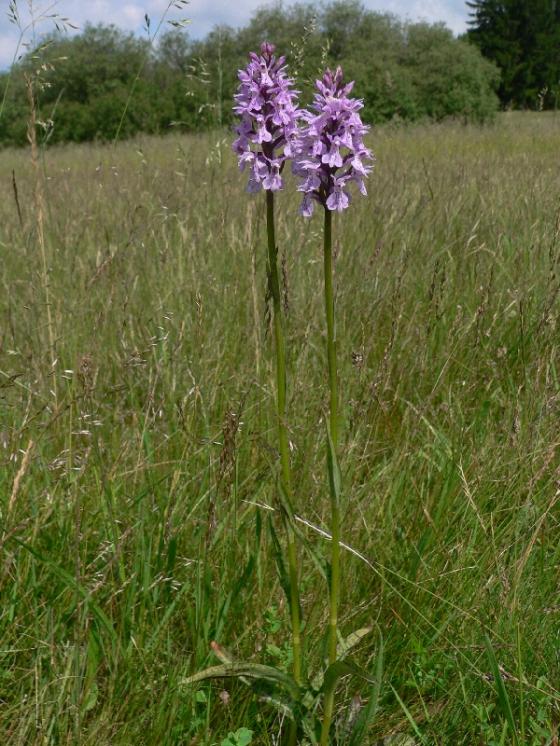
x,y
268,131
331,151
325,144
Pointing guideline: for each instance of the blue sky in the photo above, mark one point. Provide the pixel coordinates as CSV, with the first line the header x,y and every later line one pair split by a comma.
x,y
204,14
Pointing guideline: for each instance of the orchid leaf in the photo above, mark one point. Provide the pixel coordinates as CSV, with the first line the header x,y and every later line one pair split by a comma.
x,y
343,648
241,669
350,642
338,669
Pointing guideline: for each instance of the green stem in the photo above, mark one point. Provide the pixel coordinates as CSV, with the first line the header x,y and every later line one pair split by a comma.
x,y
335,509
286,477
331,335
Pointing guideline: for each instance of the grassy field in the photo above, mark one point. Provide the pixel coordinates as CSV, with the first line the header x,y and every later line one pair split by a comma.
x,y
136,478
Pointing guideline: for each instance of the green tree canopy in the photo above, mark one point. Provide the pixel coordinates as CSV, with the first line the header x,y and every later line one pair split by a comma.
x,y
402,70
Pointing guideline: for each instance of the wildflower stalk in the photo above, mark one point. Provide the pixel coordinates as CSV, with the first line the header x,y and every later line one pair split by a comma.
x,y
331,338
267,134
286,477
334,591
331,156
40,221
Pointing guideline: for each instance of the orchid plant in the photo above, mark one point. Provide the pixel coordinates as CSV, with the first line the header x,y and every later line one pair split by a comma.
x,y
326,148
267,138
331,156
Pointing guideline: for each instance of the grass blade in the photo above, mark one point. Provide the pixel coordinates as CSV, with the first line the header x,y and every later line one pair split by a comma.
x,y
501,691
367,715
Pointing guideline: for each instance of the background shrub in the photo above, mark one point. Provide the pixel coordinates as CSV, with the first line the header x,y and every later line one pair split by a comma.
x,y
403,70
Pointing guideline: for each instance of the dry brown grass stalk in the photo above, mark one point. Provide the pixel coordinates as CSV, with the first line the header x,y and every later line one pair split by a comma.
x,y
39,197
19,476
16,198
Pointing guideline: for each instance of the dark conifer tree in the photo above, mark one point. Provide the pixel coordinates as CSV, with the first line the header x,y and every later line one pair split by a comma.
x,y
523,38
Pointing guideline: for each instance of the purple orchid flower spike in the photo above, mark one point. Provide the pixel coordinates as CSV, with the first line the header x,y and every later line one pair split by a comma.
x,y
267,136
331,151
268,131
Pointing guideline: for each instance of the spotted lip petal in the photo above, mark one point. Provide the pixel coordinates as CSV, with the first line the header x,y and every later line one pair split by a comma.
x,y
331,153
267,134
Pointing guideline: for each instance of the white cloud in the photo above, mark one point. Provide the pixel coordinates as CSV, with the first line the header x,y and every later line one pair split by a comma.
x,y
453,14
207,13
127,15
8,44
133,14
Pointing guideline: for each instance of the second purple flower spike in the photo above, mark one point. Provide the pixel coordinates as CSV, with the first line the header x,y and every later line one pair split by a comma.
x,y
267,133
331,151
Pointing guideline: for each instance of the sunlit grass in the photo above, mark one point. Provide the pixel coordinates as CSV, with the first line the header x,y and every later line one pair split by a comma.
x,y
448,343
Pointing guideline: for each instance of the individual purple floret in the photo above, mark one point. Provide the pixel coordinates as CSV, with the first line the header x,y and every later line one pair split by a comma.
x,y
268,131
331,151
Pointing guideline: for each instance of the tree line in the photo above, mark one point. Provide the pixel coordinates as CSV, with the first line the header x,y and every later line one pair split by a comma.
x,y
103,81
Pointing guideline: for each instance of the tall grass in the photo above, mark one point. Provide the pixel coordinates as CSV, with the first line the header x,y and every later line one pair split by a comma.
x,y
112,586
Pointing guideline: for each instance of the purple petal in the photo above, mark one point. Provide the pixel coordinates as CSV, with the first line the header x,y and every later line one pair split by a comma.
x,y
307,206
338,200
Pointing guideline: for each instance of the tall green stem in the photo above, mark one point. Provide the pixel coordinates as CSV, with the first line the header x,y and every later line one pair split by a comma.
x,y
334,595
285,474
331,334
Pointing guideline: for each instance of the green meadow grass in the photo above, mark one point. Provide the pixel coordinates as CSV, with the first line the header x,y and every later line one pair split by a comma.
x,y
136,530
